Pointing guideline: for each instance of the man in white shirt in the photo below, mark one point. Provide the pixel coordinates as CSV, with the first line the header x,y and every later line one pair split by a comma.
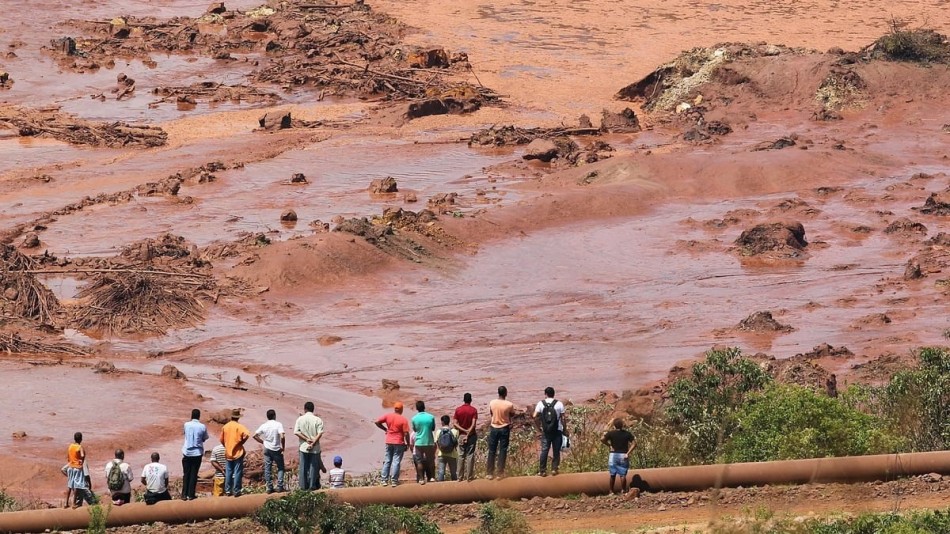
x,y
550,415
271,435
309,428
155,479
120,482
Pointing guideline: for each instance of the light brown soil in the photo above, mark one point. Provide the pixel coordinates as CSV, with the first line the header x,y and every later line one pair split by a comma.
x,y
612,271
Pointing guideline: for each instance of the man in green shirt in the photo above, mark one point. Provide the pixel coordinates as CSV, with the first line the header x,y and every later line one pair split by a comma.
x,y
423,424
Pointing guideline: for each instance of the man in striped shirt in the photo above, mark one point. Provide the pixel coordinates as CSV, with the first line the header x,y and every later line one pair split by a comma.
x,y
218,461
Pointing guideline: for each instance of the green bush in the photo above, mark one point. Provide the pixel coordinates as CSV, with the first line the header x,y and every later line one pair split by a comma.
x,y
788,422
917,401
657,446
917,45
304,512
499,518
8,503
702,406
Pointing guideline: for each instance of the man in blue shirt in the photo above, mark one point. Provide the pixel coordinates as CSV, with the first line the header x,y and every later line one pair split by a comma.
x,y
423,424
196,434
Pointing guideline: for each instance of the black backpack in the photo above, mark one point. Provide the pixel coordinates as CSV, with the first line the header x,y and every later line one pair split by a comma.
x,y
549,417
447,441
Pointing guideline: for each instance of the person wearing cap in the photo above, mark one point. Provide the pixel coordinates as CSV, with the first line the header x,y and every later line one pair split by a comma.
x,y
309,429
396,428
337,474
233,437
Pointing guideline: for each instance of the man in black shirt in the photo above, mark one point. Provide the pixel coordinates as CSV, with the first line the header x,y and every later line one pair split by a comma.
x,y
621,443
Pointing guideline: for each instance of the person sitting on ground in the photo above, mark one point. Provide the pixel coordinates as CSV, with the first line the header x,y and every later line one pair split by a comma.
x,y
447,445
155,479
621,443
337,474
119,479
219,462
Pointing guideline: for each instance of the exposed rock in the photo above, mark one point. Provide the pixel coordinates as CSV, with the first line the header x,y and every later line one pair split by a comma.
x,y
288,216
624,122
762,321
326,341
31,240
825,351
275,120
170,371
390,385
409,198
383,185
298,178
778,144
217,8
912,271
541,149
434,58
18,435
584,122
903,225
104,367
776,236
937,204
442,202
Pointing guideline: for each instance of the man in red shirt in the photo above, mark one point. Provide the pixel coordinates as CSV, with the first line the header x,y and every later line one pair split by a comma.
x,y
466,416
397,439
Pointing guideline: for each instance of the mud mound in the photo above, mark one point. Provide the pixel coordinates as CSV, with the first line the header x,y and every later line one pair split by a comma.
x,y
918,45
786,238
385,238
937,204
69,129
123,302
167,247
905,226
762,321
21,294
827,351
340,49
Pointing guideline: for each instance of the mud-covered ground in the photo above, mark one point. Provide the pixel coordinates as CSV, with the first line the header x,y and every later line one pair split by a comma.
x,y
148,166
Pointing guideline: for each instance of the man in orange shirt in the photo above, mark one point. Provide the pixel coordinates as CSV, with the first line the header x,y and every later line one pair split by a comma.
x,y
501,410
233,436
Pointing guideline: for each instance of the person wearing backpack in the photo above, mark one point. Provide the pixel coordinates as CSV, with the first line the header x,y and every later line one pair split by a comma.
x,y
447,444
119,479
550,416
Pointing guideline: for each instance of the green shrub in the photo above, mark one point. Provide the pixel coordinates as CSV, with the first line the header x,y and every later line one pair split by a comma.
x,y
97,519
499,518
8,503
918,45
917,402
790,422
304,512
657,446
702,406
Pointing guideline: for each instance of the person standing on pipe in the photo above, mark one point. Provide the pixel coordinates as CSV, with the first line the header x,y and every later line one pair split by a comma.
x,y
396,428
423,424
500,410
550,416
271,435
309,428
466,417
621,443
196,434
233,437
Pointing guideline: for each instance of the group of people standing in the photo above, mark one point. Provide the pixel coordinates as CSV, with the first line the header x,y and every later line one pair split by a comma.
x,y
438,453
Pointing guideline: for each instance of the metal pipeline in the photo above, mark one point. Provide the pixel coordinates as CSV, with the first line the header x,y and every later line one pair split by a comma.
x,y
847,469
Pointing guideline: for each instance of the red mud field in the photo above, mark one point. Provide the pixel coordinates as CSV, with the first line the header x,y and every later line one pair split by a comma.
x,y
625,255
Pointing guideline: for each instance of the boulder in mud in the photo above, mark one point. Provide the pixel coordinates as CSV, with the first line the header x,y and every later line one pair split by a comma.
x,y
442,202
904,226
383,185
778,144
442,106
541,149
762,321
827,351
788,237
410,198
912,271
64,45
216,8
19,434
434,58
298,178
31,240
275,120
624,122
170,371
104,367
326,341
288,216
390,385
937,204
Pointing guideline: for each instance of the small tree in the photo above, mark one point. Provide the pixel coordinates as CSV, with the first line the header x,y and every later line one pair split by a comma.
x,y
702,406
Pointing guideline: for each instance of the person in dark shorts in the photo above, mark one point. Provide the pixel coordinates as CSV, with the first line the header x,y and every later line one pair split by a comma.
x,y
621,443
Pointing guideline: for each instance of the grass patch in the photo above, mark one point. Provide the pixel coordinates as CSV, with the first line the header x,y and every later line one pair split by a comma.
x,y
499,518
919,45
303,512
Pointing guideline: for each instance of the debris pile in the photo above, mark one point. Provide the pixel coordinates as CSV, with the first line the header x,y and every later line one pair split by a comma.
x,y
21,294
70,129
787,238
129,301
12,343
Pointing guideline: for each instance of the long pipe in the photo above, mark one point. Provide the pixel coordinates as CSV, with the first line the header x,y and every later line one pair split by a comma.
x,y
846,469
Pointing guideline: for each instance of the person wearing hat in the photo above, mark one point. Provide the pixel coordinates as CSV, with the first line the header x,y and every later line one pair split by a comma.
x,y
337,474
396,428
233,437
